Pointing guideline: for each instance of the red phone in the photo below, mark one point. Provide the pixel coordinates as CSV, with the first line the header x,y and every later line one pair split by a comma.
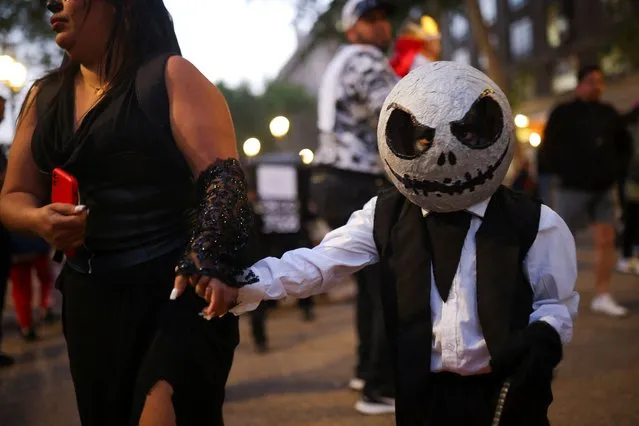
x,y
64,189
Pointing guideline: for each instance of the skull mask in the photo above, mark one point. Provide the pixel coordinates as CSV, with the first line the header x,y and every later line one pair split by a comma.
x,y
446,136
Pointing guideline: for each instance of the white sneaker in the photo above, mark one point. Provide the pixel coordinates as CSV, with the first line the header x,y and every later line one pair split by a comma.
x,y
628,265
605,304
356,384
375,405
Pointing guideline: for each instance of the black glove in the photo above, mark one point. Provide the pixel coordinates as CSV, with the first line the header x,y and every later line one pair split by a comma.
x,y
530,356
222,226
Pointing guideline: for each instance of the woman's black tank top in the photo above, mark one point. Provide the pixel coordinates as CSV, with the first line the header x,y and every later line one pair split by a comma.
x,y
131,175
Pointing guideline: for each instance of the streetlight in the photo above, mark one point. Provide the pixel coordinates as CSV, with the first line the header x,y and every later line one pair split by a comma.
x,y
307,156
13,75
279,126
251,147
521,121
534,139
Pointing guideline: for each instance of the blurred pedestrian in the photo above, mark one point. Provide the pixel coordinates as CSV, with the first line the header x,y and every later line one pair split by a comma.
x,y
5,252
31,254
349,171
587,146
417,43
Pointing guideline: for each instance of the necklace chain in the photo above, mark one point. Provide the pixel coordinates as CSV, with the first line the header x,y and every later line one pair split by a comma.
x,y
98,90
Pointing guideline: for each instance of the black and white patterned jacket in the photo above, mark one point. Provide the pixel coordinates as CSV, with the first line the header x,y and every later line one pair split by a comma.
x,y
351,95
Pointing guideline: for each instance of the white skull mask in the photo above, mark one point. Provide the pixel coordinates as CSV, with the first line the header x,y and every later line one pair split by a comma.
x,y
446,136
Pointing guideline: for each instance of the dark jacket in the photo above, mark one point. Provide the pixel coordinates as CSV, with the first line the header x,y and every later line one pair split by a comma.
x,y
586,144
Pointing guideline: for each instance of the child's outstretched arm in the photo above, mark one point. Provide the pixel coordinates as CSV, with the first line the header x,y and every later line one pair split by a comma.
x,y
305,272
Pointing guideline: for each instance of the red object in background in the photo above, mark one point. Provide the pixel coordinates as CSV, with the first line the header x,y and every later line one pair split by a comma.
x,y
22,287
406,48
64,189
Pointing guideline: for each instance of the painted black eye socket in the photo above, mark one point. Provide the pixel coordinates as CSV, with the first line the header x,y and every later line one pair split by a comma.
x,y
405,137
481,126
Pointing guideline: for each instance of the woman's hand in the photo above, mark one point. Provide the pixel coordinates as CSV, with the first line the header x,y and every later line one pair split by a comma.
x,y
61,225
220,296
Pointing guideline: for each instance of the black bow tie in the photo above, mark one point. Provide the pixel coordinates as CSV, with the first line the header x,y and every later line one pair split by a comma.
x,y
447,233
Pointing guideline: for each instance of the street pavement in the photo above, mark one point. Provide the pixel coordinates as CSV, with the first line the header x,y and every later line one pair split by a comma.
x,y
302,380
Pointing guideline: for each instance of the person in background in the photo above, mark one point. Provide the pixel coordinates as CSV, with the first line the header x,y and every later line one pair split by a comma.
x,y
418,43
524,180
31,254
258,316
275,244
348,172
628,262
586,145
5,252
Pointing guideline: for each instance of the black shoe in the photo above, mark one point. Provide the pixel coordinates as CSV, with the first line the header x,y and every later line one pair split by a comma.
x,y
29,335
6,360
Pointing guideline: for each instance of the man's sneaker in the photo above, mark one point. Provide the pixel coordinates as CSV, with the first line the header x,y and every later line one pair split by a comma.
x,y
356,384
628,266
605,304
375,405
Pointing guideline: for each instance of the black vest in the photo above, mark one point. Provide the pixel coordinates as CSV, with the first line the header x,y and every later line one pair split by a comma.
x,y
131,174
504,295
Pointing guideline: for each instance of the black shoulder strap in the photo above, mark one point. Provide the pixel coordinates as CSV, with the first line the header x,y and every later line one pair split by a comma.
x,y
526,212
387,210
150,89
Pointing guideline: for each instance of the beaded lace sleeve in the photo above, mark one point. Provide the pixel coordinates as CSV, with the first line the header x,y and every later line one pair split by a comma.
x,y
221,227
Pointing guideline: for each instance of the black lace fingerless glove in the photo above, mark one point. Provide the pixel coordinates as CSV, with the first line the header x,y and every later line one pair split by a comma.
x,y
530,356
221,227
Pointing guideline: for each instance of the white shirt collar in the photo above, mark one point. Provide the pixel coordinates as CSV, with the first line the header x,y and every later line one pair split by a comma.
x,y
478,209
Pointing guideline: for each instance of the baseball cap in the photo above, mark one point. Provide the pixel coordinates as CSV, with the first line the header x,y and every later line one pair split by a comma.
x,y
354,9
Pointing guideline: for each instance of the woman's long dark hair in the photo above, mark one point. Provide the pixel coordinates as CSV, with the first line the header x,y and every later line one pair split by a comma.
x,y
142,28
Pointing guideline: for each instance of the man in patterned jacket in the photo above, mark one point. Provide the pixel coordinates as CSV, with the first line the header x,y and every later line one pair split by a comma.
x,y
349,172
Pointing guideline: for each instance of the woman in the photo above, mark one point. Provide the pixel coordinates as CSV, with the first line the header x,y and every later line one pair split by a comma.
x,y
148,138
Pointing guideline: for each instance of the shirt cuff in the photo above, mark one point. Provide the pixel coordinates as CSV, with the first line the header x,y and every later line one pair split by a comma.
x,y
248,298
565,334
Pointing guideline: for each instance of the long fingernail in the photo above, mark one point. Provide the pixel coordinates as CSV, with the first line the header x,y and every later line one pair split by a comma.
x,y
174,294
79,208
205,316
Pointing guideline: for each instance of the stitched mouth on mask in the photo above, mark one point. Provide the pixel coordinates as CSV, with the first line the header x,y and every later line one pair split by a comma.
x,y
469,183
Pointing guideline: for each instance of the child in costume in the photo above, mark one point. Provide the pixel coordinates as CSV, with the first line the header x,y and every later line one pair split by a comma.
x,y
482,298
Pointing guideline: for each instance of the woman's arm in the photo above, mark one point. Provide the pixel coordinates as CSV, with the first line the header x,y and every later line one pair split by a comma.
x,y
200,118
203,130
25,191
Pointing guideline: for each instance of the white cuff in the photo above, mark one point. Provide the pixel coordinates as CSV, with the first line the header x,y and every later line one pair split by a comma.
x,y
565,333
250,296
